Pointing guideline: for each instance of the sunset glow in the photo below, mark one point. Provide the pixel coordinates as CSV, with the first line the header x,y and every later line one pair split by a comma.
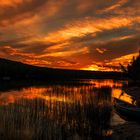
x,y
77,34
69,96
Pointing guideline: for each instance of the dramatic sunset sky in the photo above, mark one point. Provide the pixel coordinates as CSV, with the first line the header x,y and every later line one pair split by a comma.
x,y
72,34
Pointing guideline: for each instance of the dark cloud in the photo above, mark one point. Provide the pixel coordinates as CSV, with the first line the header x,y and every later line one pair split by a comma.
x,y
14,41
22,10
115,49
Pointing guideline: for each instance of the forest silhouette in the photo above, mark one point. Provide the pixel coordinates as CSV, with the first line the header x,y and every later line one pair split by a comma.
x,y
17,71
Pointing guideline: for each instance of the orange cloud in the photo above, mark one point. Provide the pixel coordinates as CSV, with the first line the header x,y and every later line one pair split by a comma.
x,y
57,47
83,50
101,50
87,26
92,67
42,59
27,12
113,7
77,30
98,66
37,62
111,65
10,51
124,60
123,38
12,3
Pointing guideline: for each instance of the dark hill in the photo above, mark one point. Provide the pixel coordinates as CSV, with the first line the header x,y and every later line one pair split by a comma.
x,y
17,70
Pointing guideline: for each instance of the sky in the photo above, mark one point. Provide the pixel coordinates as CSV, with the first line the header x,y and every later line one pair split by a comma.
x,y
70,34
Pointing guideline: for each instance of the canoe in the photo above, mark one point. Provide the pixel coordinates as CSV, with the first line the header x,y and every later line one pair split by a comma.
x,y
127,110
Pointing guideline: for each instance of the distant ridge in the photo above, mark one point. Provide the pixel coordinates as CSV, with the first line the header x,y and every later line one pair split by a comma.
x,y
17,70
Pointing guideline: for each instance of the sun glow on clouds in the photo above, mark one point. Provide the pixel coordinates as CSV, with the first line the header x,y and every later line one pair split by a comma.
x,y
11,2
101,50
124,60
72,34
92,68
110,66
115,6
87,26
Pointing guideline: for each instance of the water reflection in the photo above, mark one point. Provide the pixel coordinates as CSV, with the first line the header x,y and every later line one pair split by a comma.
x,y
123,96
58,112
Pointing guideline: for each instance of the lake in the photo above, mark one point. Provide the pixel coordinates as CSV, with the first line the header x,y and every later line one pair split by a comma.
x,y
74,110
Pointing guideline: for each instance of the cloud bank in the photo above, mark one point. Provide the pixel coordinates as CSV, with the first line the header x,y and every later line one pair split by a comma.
x,y
76,34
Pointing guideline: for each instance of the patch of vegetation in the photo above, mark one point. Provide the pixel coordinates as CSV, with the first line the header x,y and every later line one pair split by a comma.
x,y
133,68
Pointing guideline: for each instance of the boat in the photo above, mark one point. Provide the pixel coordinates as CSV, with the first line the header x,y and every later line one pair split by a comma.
x,y
127,110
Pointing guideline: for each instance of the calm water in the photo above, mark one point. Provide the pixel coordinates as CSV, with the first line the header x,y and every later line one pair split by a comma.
x,y
60,112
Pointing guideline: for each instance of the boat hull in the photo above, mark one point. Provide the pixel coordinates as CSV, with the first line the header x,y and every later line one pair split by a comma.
x,y
131,113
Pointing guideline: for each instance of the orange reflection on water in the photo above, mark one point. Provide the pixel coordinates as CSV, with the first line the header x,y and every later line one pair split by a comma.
x,y
30,93
105,83
57,109
52,94
58,93
119,94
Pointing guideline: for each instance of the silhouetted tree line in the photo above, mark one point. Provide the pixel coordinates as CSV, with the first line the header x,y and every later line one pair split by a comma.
x,y
133,68
17,70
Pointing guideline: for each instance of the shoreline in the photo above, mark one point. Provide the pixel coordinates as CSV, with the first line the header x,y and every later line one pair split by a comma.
x,y
126,131
130,130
